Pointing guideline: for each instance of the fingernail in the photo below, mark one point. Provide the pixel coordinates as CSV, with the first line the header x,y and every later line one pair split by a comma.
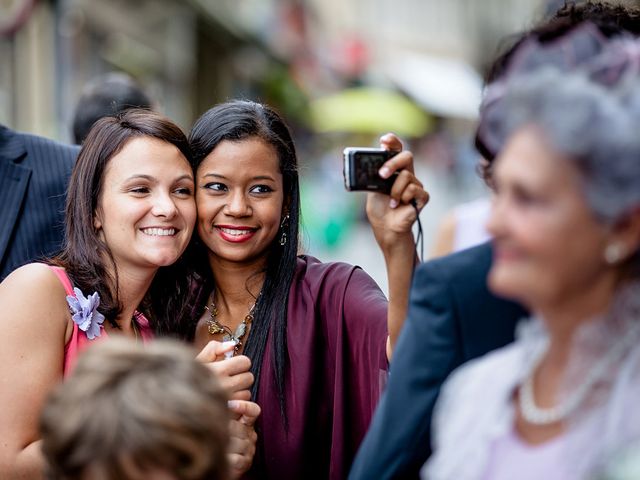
x,y
393,203
229,343
233,404
384,172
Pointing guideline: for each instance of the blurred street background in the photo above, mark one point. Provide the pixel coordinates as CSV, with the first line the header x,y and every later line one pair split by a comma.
x,y
342,72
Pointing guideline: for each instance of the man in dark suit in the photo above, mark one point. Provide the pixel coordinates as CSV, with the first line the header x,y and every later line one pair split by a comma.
x,y
452,316
34,173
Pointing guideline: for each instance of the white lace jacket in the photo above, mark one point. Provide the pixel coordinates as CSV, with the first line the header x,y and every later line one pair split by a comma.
x,y
476,403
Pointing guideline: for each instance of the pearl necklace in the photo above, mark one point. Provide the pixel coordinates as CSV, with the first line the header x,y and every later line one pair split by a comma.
x,y
547,416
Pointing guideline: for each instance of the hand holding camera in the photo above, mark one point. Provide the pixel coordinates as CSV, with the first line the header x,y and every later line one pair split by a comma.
x,y
361,169
377,170
395,195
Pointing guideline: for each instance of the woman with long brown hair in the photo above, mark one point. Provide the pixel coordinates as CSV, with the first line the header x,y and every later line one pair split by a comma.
x,y
129,217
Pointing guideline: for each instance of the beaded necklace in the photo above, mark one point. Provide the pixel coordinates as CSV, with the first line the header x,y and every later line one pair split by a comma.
x,y
214,327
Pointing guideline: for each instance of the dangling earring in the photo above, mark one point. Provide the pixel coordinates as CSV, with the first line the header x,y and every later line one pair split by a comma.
x,y
613,253
283,237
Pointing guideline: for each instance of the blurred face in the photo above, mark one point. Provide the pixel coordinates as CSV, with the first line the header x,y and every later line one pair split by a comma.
x,y
240,199
548,246
146,210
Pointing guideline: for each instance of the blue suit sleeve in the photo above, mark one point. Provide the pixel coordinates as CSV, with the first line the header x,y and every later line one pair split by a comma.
x,y
398,441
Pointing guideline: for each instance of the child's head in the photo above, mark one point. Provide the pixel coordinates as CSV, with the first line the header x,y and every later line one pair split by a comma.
x,y
130,412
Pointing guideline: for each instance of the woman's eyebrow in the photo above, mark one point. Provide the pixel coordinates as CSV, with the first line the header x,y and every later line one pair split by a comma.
x,y
258,177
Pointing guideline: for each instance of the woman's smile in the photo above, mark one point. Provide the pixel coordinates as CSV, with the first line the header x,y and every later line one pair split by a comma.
x,y
159,231
146,210
235,234
240,200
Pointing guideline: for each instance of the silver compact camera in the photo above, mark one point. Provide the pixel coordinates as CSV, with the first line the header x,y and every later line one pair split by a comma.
x,y
361,167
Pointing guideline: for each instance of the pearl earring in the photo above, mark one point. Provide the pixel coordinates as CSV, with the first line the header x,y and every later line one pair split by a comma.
x,y
613,253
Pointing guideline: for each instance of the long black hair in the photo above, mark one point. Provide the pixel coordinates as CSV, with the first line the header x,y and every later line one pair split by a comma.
x,y
236,121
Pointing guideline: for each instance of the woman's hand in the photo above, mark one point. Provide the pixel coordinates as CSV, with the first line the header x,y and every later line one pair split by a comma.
x,y
232,373
392,216
243,437
234,376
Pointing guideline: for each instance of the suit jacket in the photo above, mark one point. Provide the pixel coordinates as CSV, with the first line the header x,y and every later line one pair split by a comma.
x,y
34,173
452,318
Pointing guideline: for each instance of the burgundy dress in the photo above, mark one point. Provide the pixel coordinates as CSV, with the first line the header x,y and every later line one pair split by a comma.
x,y
337,365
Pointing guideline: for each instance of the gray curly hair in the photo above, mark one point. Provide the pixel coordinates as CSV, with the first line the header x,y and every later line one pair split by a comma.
x,y
592,116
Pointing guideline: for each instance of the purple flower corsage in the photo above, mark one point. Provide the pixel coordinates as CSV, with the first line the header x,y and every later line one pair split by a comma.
x,y
85,314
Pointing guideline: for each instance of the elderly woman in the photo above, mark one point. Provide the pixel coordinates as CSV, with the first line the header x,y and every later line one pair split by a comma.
x,y
566,221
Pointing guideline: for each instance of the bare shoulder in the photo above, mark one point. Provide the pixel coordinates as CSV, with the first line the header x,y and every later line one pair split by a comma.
x,y
33,293
32,273
33,332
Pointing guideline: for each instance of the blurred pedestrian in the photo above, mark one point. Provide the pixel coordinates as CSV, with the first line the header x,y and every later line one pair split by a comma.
x,y
131,413
34,173
105,96
566,223
463,227
452,316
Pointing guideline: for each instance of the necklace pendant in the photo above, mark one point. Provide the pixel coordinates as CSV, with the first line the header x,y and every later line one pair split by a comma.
x,y
214,328
240,331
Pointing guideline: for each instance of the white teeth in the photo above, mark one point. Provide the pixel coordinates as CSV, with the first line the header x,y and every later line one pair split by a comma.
x,y
159,232
233,231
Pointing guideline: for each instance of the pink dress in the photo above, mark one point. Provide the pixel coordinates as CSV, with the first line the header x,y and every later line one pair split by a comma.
x,y
79,341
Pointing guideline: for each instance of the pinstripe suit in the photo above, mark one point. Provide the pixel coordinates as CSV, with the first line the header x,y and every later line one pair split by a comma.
x,y
34,173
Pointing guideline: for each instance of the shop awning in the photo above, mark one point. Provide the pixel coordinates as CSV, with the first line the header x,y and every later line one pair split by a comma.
x,y
443,86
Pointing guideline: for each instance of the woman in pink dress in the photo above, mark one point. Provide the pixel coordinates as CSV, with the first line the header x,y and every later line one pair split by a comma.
x,y
129,217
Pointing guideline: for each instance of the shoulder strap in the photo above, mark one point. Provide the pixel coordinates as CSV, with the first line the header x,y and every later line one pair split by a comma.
x,y
64,278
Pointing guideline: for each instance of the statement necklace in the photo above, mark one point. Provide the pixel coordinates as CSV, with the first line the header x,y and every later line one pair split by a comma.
x,y
214,327
546,416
